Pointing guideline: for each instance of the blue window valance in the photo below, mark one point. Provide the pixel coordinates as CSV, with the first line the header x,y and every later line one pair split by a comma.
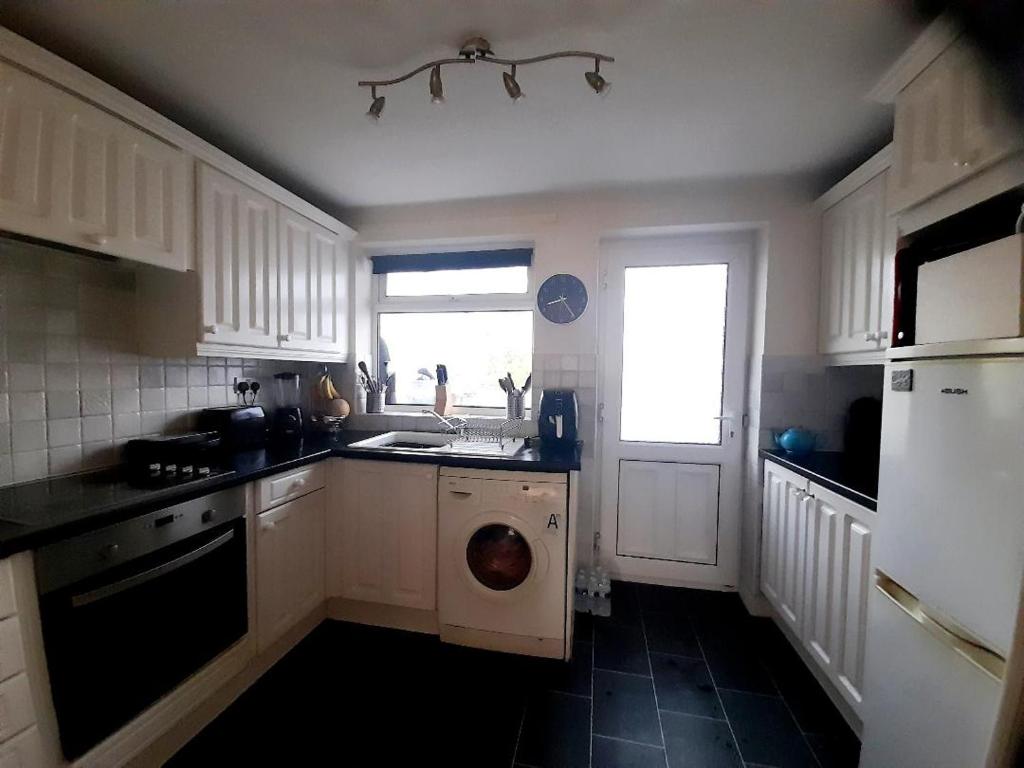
x,y
433,262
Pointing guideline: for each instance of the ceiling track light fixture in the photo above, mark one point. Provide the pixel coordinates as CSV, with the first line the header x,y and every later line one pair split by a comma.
x,y
479,49
376,106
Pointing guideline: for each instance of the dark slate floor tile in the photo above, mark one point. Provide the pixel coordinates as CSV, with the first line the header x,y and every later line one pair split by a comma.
x,y
733,657
624,707
583,632
625,604
697,742
620,647
654,597
568,677
671,633
612,753
684,685
765,730
835,750
556,731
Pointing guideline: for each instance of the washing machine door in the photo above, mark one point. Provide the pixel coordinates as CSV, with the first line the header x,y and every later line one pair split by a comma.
x,y
501,556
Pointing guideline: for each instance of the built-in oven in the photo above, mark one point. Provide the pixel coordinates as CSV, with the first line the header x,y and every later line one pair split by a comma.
x,y
131,610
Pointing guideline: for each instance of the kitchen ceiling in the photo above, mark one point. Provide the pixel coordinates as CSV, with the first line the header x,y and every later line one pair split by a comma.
x,y
702,88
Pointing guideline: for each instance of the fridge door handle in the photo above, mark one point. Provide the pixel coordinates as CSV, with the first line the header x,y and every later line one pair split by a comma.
x,y
956,638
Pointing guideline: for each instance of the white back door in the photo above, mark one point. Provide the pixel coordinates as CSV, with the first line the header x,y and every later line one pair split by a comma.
x,y
674,346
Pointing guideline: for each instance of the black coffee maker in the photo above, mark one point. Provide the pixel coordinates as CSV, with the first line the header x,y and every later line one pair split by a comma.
x,y
558,425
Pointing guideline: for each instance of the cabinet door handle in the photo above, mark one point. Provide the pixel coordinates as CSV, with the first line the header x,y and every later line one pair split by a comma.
x,y
285,337
267,525
211,329
462,493
870,337
882,335
299,483
97,239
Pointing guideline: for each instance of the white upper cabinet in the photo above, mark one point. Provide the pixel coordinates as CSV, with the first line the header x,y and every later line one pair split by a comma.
x,y
857,271
950,123
313,269
237,262
75,174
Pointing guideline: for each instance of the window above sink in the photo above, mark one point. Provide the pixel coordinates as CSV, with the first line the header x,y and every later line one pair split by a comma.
x,y
469,310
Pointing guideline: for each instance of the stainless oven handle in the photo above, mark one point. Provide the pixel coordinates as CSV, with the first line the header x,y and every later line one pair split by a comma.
x,y
77,601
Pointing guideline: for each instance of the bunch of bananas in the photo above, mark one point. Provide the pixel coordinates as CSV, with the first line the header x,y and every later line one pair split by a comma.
x,y
325,388
333,403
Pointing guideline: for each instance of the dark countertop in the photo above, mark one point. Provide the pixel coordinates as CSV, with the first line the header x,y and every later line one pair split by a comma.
x,y
839,472
37,513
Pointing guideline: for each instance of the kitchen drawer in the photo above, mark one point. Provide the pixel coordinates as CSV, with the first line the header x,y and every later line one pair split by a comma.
x,y
7,604
272,491
23,751
16,711
12,653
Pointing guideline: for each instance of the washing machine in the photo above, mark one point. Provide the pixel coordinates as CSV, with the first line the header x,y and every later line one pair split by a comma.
x,y
503,560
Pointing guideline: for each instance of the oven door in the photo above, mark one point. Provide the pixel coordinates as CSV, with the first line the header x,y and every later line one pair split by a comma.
x,y
118,641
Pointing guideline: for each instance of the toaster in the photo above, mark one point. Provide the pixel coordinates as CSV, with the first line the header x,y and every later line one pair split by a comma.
x,y
241,427
172,458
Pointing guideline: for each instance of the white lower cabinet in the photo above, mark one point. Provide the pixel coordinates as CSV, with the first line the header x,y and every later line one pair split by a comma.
x,y
382,533
289,565
815,556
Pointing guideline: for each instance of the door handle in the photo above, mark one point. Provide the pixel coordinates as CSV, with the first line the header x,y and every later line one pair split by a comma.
x,y
109,590
958,640
870,337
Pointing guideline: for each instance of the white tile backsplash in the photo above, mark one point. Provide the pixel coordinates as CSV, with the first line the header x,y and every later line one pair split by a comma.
x,y
96,402
63,432
73,384
25,377
28,436
28,406
96,428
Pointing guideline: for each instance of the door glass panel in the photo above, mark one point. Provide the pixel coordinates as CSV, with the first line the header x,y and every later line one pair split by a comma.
x,y
673,353
499,557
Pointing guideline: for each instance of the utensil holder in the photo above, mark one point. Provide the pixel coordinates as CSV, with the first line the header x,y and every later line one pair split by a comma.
x,y
375,402
516,406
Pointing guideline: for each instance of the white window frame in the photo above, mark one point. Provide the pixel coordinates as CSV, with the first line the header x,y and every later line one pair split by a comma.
x,y
478,302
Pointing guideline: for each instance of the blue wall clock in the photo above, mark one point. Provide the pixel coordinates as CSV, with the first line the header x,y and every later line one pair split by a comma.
x,y
562,298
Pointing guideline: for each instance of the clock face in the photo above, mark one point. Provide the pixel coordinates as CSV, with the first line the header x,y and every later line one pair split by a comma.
x,y
562,298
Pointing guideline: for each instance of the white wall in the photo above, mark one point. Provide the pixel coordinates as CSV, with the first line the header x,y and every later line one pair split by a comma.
x,y
567,231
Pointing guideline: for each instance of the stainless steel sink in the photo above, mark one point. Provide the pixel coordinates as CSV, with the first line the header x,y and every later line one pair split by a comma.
x,y
406,441
436,442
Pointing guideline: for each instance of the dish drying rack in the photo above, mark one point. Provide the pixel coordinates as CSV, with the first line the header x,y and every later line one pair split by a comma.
x,y
461,430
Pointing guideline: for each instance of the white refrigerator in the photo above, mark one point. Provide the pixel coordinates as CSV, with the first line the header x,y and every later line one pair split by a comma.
x,y
948,560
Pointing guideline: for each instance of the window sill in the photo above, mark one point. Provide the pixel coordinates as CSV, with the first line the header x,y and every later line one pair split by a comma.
x,y
427,417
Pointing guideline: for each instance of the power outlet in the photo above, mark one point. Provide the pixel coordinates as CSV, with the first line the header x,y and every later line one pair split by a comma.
x,y
238,381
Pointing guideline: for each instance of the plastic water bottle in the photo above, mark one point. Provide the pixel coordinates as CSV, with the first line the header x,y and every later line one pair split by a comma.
x,y
583,600
603,602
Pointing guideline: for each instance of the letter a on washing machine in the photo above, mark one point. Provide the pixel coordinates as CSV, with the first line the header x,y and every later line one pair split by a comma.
x,y
553,522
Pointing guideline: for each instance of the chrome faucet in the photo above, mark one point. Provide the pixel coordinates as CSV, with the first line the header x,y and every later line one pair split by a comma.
x,y
452,425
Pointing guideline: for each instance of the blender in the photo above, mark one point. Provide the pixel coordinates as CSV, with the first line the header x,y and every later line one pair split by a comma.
x,y
288,413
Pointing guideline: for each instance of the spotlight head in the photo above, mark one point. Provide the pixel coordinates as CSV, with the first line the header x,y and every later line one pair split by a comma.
x,y
376,107
596,81
436,87
511,86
